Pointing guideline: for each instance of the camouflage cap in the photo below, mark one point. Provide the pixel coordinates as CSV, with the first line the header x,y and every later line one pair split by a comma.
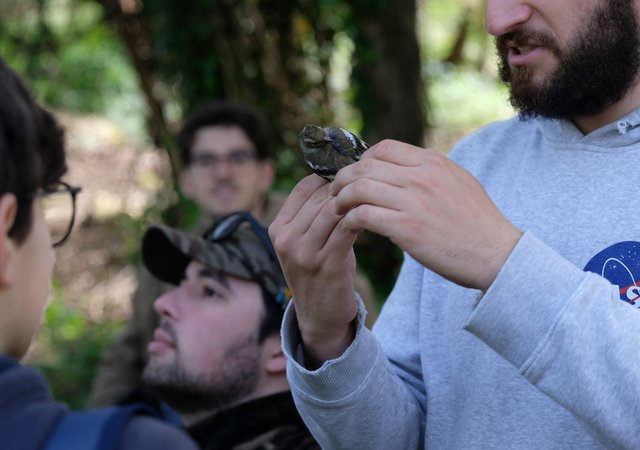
x,y
167,252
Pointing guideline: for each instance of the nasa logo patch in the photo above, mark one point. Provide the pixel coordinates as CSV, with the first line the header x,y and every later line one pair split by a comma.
x,y
620,264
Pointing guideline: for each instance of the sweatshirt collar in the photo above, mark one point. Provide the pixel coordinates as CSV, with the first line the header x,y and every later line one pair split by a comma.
x,y
622,133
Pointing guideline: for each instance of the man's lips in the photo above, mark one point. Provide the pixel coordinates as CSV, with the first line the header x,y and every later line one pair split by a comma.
x,y
526,48
524,54
161,341
224,191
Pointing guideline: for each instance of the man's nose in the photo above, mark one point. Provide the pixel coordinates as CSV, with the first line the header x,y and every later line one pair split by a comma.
x,y
223,167
504,16
167,304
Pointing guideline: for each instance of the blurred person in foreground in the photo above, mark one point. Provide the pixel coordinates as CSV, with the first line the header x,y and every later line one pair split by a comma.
x,y
514,322
216,354
226,150
37,211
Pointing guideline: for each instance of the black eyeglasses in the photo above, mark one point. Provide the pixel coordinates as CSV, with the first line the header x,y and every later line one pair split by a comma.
x,y
227,225
236,159
59,209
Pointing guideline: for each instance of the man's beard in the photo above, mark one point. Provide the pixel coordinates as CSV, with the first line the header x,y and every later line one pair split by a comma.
x,y
209,390
596,70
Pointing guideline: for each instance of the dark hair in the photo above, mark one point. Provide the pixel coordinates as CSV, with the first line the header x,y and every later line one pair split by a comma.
x,y
273,314
31,148
226,113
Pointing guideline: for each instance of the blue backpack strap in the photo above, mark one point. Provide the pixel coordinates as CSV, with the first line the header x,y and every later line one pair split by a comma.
x,y
99,429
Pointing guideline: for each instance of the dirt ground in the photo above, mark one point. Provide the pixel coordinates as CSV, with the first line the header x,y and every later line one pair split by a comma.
x,y
119,181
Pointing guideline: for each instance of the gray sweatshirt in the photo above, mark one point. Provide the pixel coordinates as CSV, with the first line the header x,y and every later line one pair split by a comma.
x,y
548,357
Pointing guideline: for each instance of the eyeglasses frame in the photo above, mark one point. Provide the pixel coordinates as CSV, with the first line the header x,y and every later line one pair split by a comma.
x,y
216,160
73,190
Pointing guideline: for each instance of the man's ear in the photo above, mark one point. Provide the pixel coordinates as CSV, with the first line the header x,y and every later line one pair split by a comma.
x,y
8,210
276,363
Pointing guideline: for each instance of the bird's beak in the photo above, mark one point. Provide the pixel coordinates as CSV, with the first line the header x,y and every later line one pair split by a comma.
x,y
327,139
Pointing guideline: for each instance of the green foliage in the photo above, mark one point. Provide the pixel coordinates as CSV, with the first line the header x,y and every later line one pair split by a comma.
x,y
484,100
73,60
308,61
466,95
438,24
125,250
69,350
186,49
182,213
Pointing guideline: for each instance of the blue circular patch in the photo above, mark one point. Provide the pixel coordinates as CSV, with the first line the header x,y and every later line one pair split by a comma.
x,y
620,264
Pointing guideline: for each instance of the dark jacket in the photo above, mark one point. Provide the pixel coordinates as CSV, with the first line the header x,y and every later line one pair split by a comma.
x,y
28,415
271,423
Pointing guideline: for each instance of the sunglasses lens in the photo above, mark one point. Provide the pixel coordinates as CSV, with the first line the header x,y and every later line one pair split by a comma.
x,y
226,227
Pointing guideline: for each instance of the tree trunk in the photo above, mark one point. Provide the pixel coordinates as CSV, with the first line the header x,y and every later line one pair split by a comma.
x,y
137,40
390,94
388,69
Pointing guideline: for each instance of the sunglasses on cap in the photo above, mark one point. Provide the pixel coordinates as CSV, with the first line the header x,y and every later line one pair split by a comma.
x,y
226,226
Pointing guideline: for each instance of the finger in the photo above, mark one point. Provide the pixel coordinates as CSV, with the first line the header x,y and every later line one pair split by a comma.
x,y
304,236
299,195
372,191
342,238
313,226
325,229
374,169
306,212
373,218
383,162
397,152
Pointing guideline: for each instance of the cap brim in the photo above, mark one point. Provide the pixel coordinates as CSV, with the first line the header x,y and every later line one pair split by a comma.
x,y
166,253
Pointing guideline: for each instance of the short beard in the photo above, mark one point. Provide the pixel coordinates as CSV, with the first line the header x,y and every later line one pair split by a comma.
x,y
218,388
594,72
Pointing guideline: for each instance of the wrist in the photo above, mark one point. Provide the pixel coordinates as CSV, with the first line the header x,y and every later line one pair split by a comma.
x,y
322,346
500,253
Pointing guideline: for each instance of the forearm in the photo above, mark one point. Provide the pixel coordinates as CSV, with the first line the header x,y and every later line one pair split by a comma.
x,y
357,396
569,334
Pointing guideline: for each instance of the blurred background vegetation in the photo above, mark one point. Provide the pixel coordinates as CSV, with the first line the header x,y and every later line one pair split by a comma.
x,y
121,74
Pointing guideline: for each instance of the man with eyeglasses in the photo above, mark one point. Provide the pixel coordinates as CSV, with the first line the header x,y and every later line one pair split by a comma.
x,y
215,356
37,211
225,149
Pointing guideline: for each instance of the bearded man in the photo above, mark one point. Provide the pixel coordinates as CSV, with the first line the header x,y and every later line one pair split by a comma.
x,y
215,356
514,320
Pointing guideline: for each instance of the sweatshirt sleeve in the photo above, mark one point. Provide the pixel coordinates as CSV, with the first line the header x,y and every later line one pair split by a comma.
x,y
569,334
358,400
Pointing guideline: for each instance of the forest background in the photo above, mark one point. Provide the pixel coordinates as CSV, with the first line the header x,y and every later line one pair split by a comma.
x,y
121,74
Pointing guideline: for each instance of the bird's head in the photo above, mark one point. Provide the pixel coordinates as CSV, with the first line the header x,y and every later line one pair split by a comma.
x,y
314,136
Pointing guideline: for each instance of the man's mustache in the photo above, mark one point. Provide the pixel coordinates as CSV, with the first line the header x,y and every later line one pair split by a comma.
x,y
168,328
523,38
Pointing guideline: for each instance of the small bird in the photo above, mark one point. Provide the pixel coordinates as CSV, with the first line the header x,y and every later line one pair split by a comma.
x,y
329,149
